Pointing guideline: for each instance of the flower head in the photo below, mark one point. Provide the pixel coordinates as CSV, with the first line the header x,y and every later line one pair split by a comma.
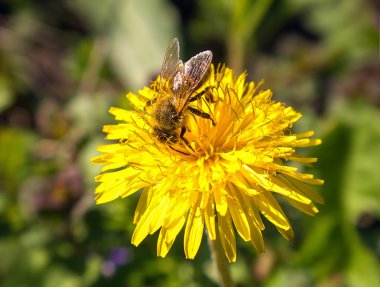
x,y
222,177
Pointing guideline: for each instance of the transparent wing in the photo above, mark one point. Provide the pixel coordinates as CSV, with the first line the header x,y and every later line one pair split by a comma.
x,y
171,60
192,75
195,69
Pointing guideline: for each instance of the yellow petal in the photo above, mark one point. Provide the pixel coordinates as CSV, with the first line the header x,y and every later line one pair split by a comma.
x,y
308,208
141,230
227,236
287,233
167,237
158,213
240,182
178,209
271,209
238,216
303,159
141,205
220,201
124,115
193,232
302,188
209,216
137,101
253,219
116,184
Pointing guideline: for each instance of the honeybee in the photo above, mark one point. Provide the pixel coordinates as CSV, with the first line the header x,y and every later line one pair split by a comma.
x,y
176,90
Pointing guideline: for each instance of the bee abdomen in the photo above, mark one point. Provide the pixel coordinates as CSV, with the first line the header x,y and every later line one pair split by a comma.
x,y
165,135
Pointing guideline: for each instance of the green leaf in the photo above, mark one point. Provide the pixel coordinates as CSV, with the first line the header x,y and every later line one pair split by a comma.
x,y
6,96
15,149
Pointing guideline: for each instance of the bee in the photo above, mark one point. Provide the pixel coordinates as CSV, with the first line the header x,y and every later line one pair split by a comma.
x,y
176,90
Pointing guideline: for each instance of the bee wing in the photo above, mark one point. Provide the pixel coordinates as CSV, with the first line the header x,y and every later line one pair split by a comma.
x,y
171,60
191,76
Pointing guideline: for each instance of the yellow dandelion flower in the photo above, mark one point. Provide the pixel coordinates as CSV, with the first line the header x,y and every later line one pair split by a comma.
x,y
222,177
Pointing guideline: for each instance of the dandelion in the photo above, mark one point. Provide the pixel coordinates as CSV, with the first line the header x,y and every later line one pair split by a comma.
x,y
223,177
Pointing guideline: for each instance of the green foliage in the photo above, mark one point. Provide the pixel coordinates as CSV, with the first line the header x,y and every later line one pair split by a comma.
x,y
348,160
63,64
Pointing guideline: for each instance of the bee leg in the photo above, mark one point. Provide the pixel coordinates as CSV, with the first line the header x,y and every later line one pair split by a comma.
x,y
201,114
181,136
208,97
178,150
197,96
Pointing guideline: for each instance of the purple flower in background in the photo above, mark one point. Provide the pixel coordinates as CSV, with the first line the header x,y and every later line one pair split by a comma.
x,y
116,258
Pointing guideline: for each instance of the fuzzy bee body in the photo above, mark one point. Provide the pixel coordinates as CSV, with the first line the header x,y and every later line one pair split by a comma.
x,y
178,82
169,121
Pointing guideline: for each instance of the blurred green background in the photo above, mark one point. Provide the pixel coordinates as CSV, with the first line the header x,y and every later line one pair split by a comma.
x,y
64,63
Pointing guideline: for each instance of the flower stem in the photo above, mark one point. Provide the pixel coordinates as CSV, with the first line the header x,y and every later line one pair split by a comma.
x,y
245,18
220,263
